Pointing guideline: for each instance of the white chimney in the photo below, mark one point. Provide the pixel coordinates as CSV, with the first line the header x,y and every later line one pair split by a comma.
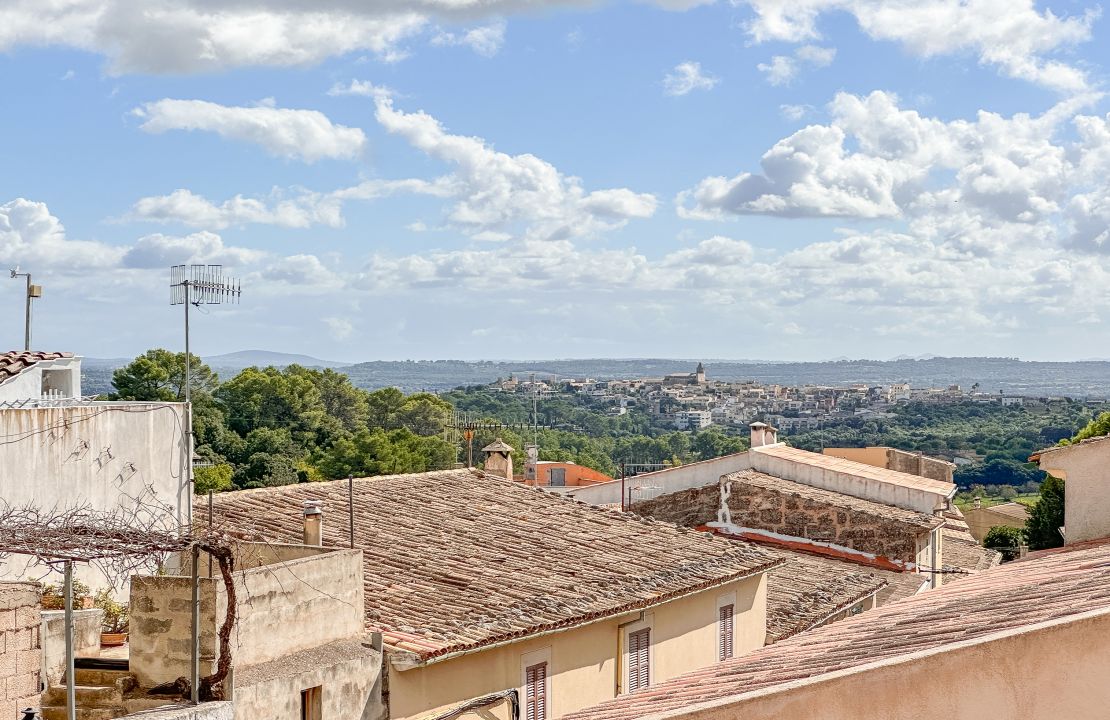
x,y
313,523
763,434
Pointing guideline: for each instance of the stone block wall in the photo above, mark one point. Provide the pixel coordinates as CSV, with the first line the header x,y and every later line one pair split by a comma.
x,y
20,654
789,514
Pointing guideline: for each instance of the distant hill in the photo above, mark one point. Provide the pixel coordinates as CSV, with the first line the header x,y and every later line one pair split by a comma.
x,y
1086,379
263,358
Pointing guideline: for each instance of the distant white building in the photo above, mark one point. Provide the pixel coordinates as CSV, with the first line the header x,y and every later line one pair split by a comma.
x,y
61,450
693,419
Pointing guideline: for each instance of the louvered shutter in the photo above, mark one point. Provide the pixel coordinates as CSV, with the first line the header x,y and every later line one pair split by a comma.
x,y
639,662
724,633
535,680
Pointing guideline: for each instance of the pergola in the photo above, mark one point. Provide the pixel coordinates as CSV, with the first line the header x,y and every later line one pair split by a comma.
x,y
118,544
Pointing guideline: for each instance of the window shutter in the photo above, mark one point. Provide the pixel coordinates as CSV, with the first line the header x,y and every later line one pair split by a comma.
x,y
724,634
535,680
639,659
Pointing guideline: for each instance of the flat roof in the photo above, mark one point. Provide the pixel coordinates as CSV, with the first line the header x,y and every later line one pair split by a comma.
x,y
858,469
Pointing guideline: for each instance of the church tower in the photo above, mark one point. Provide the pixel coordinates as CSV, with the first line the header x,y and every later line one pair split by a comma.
x,y
699,374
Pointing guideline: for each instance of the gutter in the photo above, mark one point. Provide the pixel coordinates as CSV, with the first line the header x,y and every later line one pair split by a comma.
x,y
410,660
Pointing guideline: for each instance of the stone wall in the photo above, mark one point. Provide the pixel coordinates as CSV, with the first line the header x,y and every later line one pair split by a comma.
x,y
20,656
160,641
788,514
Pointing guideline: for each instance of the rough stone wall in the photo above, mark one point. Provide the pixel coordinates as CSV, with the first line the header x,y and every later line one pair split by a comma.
x,y
161,627
787,514
20,656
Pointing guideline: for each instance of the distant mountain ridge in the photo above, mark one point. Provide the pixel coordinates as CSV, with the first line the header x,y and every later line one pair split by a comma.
x,y
1082,379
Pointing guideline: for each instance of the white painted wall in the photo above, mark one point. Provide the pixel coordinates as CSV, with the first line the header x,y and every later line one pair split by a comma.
x,y
104,455
27,385
1085,467
699,474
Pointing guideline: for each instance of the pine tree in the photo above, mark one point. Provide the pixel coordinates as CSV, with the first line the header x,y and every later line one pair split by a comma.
x,y
1047,516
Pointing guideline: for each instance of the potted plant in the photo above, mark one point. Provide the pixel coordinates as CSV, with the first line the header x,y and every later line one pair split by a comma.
x,y
113,628
53,596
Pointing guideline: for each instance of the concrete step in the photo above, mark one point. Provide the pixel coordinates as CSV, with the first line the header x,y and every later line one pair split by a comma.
x,y
88,696
106,678
59,713
139,704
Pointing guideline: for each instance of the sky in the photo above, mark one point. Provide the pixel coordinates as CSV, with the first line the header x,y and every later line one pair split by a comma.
x,y
536,179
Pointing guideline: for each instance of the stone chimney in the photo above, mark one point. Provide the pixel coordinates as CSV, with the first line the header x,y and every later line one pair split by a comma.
x,y
763,434
531,458
313,523
499,460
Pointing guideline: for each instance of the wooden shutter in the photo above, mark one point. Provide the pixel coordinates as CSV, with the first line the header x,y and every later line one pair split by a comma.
x,y
639,659
724,633
535,691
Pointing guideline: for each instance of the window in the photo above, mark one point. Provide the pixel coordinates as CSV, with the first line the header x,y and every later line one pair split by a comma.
x,y
639,659
312,703
535,692
724,632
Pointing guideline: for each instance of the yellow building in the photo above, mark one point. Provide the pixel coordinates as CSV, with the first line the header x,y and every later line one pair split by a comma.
x,y
488,593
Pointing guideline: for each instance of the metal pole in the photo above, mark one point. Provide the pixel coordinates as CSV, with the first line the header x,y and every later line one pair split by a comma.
x,y
71,683
209,530
623,507
351,505
188,414
194,665
27,317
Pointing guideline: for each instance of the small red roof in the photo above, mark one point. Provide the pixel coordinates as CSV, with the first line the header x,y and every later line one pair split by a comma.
x,y
14,362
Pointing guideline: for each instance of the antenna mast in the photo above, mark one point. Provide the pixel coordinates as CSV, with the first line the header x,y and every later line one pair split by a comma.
x,y
197,285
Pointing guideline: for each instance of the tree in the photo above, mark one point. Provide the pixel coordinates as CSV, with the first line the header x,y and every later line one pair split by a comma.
x,y
1046,517
382,452
1096,427
159,376
216,478
270,398
1005,540
341,400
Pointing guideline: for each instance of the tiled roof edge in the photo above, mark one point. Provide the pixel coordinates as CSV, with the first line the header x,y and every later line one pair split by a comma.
x,y
452,651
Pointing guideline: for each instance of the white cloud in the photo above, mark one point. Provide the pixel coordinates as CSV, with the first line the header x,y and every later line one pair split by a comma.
x,y
875,160
363,88
795,113
296,134
485,40
182,206
160,251
515,195
31,236
304,271
1009,34
783,69
687,77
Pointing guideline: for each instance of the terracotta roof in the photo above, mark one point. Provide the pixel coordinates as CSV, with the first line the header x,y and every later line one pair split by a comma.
x,y
457,559
1013,509
851,467
806,590
836,499
962,552
1007,597
16,361
954,519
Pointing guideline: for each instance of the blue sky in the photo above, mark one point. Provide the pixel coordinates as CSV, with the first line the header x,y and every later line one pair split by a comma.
x,y
537,179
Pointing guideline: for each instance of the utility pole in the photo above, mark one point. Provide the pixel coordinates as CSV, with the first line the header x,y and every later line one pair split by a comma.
x,y
33,291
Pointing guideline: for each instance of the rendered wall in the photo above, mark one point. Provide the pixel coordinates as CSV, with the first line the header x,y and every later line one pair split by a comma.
x,y
20,656
86,640
160,641
895,459
1054,670
582,662
980,521
1086,470
350,689
783,513
699,474
204,711
103,455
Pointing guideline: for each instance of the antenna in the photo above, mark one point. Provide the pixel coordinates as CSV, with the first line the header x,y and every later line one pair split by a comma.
x,y
197,285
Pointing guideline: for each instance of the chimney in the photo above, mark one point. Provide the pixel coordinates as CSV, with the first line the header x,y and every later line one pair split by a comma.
x,y
977,503
313,523
499,460
763,434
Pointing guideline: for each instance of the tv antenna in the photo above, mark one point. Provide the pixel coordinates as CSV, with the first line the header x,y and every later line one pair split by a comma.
x,y
197,285
467,425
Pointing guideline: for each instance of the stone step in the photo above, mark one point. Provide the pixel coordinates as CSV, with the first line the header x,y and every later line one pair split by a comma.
x,y
59,713
106,678
139,704
88,696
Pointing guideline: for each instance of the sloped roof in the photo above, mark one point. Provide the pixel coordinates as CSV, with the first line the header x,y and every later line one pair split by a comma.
x,y
1015,510
962,552
1049,587
16,361
858,469
456,560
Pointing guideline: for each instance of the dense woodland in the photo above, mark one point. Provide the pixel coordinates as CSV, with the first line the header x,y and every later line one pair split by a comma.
x,y
269,426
